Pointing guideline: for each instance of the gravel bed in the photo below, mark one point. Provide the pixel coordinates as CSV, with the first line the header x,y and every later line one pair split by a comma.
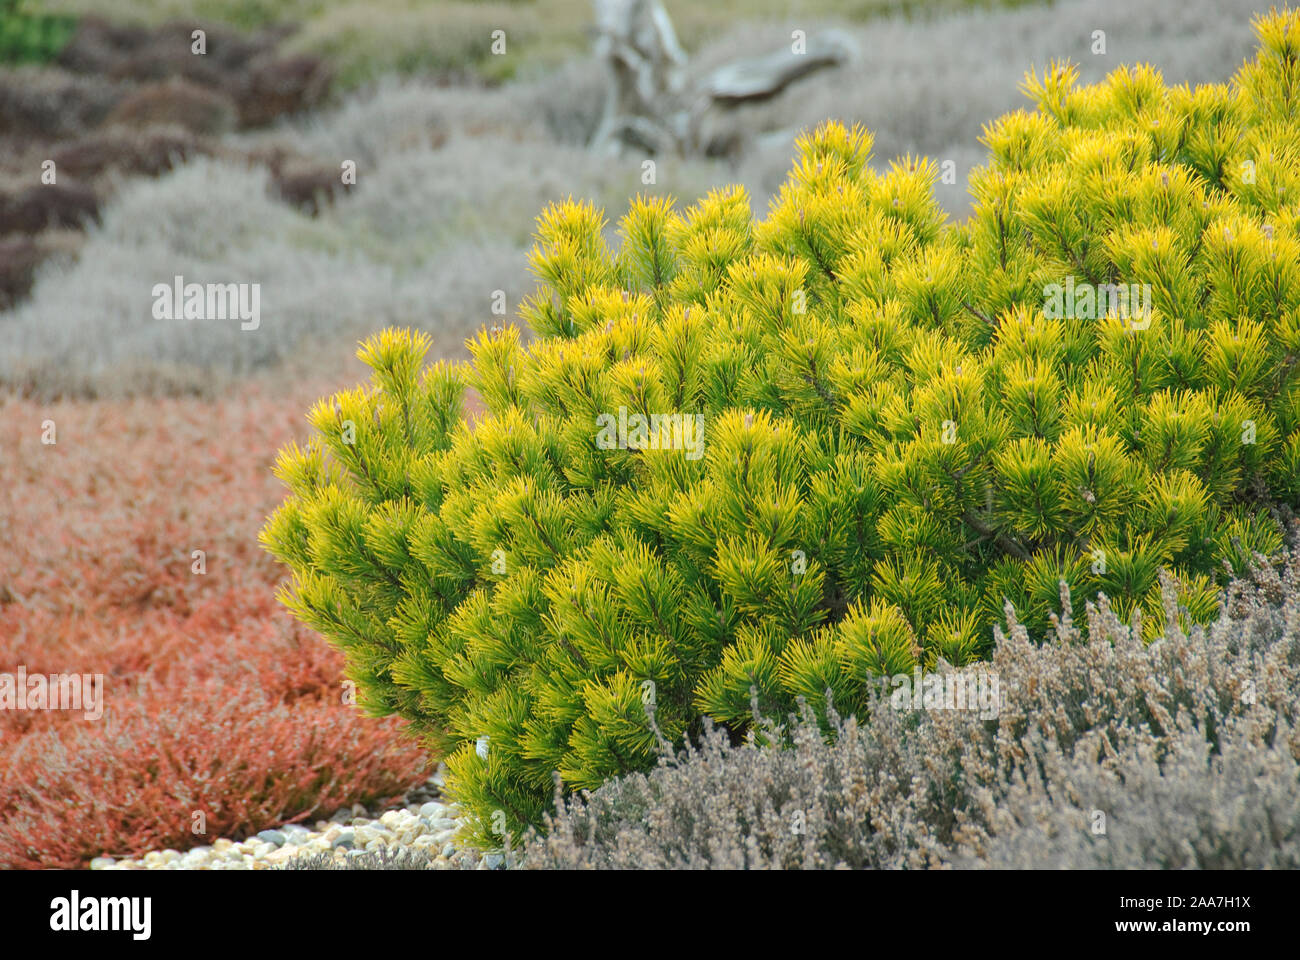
x,y
418,835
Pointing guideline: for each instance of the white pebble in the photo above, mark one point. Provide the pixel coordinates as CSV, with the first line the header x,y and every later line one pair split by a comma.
x,y
364,835
283,855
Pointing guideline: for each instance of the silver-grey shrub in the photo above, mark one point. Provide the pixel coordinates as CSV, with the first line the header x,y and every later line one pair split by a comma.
x,y
384,858
1186,746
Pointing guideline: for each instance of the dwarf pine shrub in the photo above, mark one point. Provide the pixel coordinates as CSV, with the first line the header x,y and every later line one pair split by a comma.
x,y
796,453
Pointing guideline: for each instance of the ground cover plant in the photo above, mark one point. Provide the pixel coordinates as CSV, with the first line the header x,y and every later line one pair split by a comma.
x,y
213,701
767,458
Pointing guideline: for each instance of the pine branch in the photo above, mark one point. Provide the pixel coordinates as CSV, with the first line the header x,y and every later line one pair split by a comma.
x,y
979,316
1002,540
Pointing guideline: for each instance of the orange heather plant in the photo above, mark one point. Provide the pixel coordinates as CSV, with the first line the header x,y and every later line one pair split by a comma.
x,y
214,700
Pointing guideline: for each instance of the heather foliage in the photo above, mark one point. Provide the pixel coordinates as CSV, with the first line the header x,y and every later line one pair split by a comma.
x,y
383,858
1187,747
122,558
386,858
901,429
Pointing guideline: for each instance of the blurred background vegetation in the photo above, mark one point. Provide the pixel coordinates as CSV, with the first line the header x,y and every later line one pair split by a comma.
x,y
226,167
366,39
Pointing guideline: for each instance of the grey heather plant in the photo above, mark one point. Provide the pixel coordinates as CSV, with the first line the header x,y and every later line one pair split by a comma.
x,y
382,858
385,858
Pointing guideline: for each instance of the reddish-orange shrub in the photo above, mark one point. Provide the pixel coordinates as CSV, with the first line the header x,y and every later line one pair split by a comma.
x,y
137,779
215,700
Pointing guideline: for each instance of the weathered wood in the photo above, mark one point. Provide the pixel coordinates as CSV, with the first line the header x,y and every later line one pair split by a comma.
x,y
648,104
756,78
636,41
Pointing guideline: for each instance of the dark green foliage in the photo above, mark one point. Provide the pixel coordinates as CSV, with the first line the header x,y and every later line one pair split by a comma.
x,y
27,37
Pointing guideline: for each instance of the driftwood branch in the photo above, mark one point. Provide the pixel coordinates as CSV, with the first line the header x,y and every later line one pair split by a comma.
x,y
649,103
